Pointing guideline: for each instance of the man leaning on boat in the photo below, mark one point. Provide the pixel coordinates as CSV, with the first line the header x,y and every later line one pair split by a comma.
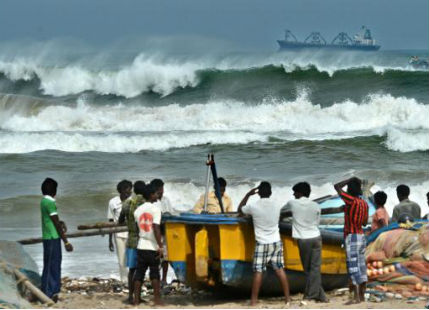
x,y
305,229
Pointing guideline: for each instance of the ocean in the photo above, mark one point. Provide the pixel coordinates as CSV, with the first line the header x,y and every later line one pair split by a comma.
x,y
91,119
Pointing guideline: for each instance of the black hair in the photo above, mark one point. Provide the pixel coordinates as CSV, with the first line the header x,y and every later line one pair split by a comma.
x,y
157,183
427,195
264,189
124,184
403,190
303,188
49,187
148,191
354,187
139,187
222,182
380,198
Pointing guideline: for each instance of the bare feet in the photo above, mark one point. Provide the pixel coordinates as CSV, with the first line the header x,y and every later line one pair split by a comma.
x,y
352,302
159,303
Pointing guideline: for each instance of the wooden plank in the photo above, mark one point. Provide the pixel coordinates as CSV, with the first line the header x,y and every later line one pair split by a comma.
x,y
88,233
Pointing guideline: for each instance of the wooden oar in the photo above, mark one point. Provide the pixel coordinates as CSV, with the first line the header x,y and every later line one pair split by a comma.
x,y
206,194
216,183
95,232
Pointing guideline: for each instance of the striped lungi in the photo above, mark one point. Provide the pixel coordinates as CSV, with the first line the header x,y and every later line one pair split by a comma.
x,y
355,253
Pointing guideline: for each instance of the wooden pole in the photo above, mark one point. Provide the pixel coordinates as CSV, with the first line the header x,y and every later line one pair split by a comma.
x,y
27,283
33,289
95,232
99,225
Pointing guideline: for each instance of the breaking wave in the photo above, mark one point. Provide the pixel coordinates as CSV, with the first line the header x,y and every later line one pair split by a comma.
x,y
166,76
31,125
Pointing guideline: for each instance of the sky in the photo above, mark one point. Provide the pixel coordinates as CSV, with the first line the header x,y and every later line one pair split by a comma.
x,y
243,24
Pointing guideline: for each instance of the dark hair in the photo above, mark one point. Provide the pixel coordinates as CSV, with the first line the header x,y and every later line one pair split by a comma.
x,y
148,191
222,182
354,187
403,190
49,187
124,184
157,183
380,198
303,188
139,187
264,189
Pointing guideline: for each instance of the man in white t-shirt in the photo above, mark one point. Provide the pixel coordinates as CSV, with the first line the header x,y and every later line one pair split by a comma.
x,y
120,239
166,207
149,246
269,248
305,229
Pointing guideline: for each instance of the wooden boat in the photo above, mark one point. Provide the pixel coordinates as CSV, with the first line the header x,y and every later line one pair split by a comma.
x,y
208,250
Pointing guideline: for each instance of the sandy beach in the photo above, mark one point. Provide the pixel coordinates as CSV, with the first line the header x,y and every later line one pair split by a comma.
x,y
108,293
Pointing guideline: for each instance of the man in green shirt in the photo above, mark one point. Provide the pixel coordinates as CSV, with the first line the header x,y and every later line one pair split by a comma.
x,y
127,216
53,230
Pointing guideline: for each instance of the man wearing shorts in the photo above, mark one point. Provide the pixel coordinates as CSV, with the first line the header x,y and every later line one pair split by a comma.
x,y
149,246
269,248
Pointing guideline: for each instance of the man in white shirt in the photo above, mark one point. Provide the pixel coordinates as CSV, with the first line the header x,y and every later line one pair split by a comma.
x,y
120,239
269,247
305,229
149,246
166,207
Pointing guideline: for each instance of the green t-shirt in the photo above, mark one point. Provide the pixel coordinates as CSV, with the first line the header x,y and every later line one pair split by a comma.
x,y
48,208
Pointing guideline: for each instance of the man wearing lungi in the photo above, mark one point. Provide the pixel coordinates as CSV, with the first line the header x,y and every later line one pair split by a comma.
x,y
355,218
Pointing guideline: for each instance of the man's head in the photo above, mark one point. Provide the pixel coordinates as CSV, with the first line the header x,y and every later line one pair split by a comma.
x,y
139,187
158,184
124,189
222,185
49,187
264,190
354,187
402,191
301,189
380,198
150,193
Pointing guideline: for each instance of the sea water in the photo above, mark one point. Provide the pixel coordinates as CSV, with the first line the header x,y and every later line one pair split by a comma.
x,y
91,119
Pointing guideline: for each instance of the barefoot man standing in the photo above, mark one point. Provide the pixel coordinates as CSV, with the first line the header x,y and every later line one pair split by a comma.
x,y
269,248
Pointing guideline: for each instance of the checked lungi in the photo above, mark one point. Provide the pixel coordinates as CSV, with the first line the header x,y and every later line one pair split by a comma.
x,y
268,254
355,253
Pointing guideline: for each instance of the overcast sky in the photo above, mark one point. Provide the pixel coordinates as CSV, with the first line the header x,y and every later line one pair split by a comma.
x,y
248,24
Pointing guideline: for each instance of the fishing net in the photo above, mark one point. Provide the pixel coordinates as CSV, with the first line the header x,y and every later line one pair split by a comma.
x,y
398,259
12,293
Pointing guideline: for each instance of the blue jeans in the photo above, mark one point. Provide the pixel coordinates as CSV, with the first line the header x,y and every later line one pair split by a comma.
x,y
51,276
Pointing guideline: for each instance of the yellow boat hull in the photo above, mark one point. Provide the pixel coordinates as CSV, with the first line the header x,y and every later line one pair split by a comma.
x,y
207,250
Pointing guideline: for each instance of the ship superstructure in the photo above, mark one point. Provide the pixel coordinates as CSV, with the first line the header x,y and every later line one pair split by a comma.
x,y
362,41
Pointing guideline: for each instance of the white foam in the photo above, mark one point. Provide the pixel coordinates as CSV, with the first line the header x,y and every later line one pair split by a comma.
x,y
164,75
300,116
144,74
407,140
121,143
121,128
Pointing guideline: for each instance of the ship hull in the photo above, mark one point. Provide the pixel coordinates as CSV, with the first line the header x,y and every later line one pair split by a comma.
x,y
284,45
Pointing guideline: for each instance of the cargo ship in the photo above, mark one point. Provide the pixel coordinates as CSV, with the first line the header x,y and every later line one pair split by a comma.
x,y
362,41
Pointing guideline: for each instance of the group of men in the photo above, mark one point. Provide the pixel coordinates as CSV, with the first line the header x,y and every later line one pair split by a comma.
x,y
142,247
